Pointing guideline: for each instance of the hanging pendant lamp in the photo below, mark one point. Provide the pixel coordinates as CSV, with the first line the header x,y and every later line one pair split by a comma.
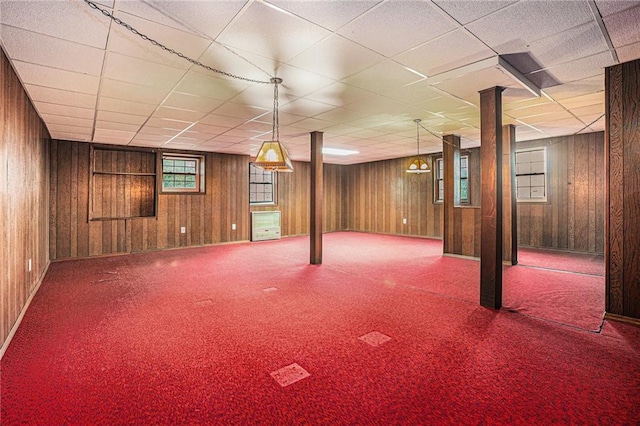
x,y
418,165
273,156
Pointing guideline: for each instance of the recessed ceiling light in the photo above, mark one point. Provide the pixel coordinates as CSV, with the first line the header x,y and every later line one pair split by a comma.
x,y
338,151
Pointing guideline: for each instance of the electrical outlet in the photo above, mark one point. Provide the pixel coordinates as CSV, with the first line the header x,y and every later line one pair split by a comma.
x,y
183,229
404,220
30,265
233,226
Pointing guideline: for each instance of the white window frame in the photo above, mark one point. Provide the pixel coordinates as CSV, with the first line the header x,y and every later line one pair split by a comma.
x,y
531,175
257,180
199,172
438,193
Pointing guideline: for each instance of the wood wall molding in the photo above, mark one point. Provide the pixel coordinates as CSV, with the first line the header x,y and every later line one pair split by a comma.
x,y
622,151
509,203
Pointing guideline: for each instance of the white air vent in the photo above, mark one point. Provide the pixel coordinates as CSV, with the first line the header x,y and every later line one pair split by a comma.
x,y
265,226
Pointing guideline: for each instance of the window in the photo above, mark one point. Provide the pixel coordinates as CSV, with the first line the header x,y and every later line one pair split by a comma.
x,y
438,190
531,182
182,173
464,180
262,186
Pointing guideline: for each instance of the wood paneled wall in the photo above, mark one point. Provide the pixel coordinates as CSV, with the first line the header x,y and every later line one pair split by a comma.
x,y
622,86
293,200
573,216
208,217
381,194
24,198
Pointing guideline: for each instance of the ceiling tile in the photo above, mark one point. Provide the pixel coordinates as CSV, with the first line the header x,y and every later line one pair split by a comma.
x,y
191,102
444,53
623,27
339,94
166,123
578,87
584,100
608,7
109,125
306,107
200,84
336,57
266,31
68,20
246,112
69,121
629,52
71,136
125,107
144,73
382,78
465,11
196,17
123,41
221,120
511,29
66,128
131,92
328,14
118,117
178,114
406,24
52,52
572,71
51,77
112,136
63,97
57,109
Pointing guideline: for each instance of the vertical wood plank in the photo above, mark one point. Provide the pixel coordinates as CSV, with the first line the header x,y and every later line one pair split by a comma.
x,y
317,195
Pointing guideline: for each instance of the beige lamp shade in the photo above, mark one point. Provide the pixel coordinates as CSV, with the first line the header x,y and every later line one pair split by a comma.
x,y
418,166
273,156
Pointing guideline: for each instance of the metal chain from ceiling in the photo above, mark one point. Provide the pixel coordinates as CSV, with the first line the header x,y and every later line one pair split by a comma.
x,y
169,50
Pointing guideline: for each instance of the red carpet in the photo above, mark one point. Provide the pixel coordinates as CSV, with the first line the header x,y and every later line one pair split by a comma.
x,y
192,337
585,263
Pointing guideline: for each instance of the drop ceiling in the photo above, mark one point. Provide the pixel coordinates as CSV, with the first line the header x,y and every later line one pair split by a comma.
x,y
359,71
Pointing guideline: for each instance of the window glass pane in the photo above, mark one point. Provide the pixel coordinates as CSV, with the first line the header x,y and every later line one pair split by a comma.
x,y
440,190
537,192
524,192
464,195
522,181
537,167
537,180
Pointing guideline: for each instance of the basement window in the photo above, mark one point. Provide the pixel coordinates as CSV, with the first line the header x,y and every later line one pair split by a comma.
x,y
262,186
182,173
531,176
438,189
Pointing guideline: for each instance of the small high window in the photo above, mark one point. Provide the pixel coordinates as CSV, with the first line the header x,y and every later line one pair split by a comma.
x,y
182,173
531,174
262,186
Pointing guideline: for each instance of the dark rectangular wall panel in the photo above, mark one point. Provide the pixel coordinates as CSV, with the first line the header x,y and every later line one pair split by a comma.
x,y
622,151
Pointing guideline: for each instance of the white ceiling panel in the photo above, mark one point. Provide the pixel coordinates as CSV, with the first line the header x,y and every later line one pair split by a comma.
x,y
137,71
328,14
118,117
406,23
572,71
623,27
608,7
200,84
52,52
69,20
449,51
123,41
265,30
236,110
221,120
69,121
465,11
110,125
469,88
190,16
629,52
178,114
112,136
336,57
578,87
71,136
584,100
58,96
238,62
165,123
511,29
59,79
125,107
66,128
339,94
65,110
191,102
131,92
383,77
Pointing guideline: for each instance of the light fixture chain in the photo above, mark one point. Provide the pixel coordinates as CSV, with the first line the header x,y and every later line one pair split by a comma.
x,y
276,124
168,49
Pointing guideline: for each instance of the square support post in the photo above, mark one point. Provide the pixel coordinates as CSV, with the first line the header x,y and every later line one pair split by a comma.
x,y
315,228
491,164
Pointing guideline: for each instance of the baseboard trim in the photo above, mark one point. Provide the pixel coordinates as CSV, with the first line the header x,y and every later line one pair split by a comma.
x,y
622,319
13,330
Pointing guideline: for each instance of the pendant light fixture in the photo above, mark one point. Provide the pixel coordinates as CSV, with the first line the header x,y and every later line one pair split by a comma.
x,y
273,155
418,165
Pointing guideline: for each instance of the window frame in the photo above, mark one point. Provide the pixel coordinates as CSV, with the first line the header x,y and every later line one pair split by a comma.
x,y
199,173
545,175
438,195
273,183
